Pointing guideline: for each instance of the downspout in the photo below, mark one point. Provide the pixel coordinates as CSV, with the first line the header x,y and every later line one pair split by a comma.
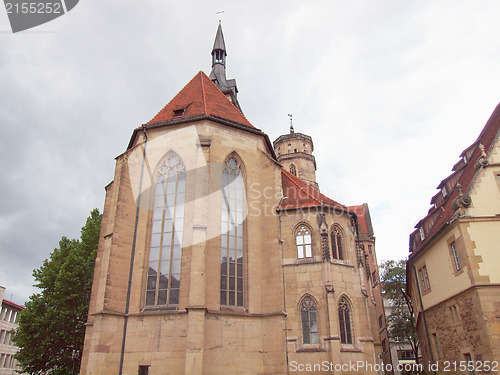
x,y
284,286
423,314
132,256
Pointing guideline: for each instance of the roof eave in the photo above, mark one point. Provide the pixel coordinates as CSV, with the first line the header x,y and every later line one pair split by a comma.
x,y
185,120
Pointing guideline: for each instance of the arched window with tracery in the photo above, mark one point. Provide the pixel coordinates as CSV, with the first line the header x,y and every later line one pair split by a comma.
x,y
303,242
232,235
293,170
337,243
309,319
164,267
345,321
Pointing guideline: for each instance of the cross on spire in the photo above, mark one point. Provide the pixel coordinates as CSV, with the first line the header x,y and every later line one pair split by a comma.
x,y
219,13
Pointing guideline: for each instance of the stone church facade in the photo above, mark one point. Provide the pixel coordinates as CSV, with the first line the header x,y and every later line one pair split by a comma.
x,y
219,255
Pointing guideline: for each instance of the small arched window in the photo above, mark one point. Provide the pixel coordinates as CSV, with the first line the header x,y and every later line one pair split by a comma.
x,y
345,321
309,321
303,241
164,268
337,243
232,235
293,170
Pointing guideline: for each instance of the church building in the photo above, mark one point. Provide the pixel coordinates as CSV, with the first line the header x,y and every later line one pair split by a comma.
x,y
218,253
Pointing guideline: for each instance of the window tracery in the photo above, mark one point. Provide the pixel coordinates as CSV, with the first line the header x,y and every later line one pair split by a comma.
x,y
232,235
164,267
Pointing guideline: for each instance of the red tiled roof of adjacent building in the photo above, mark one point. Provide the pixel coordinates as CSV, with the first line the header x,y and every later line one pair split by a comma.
x,y
13,304
200,97
301,195
364,219
439,216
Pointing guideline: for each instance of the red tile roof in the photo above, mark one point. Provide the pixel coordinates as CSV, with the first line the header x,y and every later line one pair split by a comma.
x,y
364,219
12,304
438,217
200,97
301,195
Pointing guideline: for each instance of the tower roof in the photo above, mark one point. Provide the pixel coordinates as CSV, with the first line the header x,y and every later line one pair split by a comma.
x,y
219,40
200,97
218,73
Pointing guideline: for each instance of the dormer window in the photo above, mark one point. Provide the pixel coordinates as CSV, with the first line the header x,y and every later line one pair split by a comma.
x,y
422,234
444,193
179,112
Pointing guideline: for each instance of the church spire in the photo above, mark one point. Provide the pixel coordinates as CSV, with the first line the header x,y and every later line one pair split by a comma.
x,y
218,74
219,50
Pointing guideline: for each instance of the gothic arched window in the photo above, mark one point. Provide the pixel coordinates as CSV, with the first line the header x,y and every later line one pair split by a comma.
x,y
303,241
345,321
164,272
232,235
309,321
337,243
293,170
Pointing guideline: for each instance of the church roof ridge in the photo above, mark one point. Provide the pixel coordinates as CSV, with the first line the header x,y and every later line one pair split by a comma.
x,y
200,97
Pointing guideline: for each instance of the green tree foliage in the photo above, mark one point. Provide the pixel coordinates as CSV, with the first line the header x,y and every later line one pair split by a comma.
x,y
400,323
52,326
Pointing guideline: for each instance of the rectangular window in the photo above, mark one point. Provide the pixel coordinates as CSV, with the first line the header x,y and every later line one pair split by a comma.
x,y
426,275
455,258
6,339
444,193
384,345
143,370
422,234
405,354
380,321
421,277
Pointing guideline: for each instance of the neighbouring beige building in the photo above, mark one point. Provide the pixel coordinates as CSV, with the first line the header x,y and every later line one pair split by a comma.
x,y
455,256
9,316
219,255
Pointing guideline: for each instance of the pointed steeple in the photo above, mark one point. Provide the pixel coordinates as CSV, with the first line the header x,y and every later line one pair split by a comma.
x,y
219,51
218,74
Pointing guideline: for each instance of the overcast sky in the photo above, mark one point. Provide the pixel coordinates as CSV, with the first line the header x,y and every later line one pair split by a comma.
x,y
391,91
